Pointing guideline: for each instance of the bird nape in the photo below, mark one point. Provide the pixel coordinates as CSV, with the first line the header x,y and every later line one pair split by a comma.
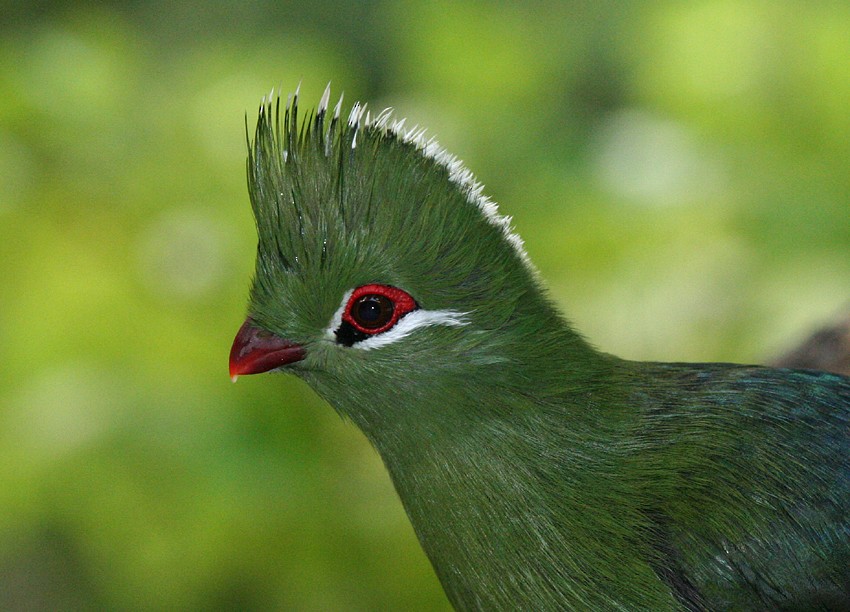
x,y
538,472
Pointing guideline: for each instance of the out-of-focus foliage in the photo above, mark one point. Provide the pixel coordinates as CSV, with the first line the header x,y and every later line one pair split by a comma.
x,y
680,172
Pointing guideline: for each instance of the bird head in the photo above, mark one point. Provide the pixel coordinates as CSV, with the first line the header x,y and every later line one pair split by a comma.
x,y
383,273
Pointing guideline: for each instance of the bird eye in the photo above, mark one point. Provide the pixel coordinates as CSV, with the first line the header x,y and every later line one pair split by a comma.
x,y
373,309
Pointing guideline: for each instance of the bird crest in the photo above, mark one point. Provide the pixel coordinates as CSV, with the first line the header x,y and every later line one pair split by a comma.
x,y
308,179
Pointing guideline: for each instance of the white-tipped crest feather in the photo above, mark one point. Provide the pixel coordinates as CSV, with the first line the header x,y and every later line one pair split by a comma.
x,y
359,118
323,102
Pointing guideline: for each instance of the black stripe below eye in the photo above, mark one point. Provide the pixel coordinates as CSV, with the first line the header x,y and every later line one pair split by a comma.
x,y
347,335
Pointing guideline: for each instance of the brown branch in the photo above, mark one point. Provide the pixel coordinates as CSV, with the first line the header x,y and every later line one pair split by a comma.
x,y
827,349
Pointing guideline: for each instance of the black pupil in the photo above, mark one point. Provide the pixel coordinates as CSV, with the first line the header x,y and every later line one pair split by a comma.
x,y
373,311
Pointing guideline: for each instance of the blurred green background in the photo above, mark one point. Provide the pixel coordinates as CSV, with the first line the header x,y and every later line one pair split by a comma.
x,y
680,173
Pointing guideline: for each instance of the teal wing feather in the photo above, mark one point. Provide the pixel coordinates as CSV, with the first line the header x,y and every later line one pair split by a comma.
x,y
756,508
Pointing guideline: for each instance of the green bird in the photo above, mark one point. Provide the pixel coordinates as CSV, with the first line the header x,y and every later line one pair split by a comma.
x,y
538,472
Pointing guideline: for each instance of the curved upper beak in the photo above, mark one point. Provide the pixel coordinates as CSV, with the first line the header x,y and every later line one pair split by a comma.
x,y
256,350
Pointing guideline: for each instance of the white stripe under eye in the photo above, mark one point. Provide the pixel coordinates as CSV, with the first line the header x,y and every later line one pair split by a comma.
x,y
406,325
411,322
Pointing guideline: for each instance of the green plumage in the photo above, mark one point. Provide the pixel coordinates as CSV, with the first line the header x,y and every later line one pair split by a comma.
x,y
538,473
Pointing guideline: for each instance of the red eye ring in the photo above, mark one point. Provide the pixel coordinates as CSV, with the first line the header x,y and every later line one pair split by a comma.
x,y
398,300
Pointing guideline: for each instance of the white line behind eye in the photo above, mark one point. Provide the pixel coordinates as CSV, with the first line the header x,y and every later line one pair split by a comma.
x,y
411,322
407,324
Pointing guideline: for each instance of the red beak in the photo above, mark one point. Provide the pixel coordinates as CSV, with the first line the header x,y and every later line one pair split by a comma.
x,y
256,350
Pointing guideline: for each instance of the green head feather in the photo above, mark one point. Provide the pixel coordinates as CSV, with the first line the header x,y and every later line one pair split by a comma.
x,y
341,204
